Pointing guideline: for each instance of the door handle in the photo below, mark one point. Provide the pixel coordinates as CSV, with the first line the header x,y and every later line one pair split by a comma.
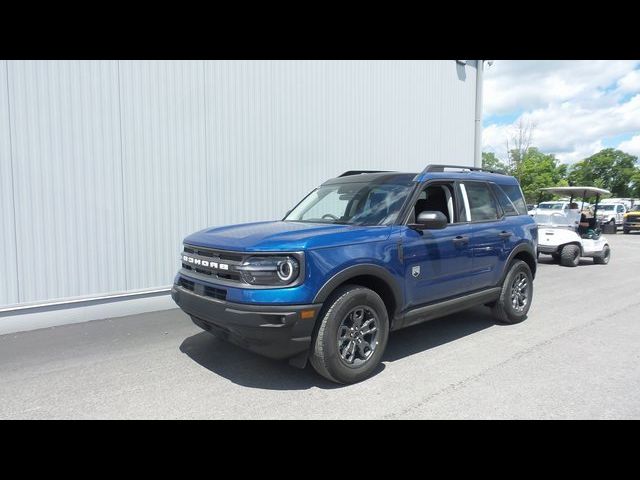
x,y
505,234
461,239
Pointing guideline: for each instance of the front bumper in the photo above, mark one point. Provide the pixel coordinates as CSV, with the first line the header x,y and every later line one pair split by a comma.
x,y
275,331
635,225
547,248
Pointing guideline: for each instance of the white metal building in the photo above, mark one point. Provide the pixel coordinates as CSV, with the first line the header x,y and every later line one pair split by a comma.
x,y
106,165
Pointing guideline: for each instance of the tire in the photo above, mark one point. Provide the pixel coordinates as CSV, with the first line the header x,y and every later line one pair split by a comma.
x,y
556,257
504,309
570,256
604,257
625,231
330,356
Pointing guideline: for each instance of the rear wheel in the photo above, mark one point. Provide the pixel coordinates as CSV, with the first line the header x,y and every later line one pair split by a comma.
x,y
603,258
556,256
352,335
515,297
570,256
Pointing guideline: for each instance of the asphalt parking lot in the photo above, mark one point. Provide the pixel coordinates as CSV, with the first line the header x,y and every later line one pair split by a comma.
x,y
576,356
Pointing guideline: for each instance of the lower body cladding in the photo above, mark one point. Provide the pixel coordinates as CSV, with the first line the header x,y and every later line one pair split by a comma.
x,y
275,331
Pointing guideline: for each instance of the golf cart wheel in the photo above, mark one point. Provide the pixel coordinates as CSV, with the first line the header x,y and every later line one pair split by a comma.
x,y
570,256
352,335
604,257
515,297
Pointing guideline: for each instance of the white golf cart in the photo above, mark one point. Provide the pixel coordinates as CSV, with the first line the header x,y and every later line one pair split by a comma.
x,y
561,234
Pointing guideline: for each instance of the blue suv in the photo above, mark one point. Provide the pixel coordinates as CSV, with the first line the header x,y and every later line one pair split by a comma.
x,y
362,255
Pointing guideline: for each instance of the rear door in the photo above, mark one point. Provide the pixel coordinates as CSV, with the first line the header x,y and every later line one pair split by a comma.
x,y
490,233
620,211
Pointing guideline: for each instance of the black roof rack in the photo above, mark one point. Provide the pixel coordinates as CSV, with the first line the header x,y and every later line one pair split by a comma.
x,y
440,168
358,172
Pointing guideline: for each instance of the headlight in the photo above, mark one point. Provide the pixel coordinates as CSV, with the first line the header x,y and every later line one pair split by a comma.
x,y
269,270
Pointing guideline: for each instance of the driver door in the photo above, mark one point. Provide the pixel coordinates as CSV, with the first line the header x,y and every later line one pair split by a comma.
x,y
438,263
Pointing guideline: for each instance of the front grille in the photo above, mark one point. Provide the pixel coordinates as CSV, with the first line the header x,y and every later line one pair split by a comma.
x,y
221,254
211,260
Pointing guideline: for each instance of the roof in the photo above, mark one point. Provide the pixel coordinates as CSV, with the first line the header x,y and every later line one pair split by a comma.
x,y
577,191
424,176
380,177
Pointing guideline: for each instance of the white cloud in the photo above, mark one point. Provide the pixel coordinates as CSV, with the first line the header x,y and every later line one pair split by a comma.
x,y
630,82
574,105
631,146
530,84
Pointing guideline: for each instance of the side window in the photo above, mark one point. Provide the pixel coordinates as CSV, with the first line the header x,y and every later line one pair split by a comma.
x,y
620,209
435,198
515,195
482,205
505,202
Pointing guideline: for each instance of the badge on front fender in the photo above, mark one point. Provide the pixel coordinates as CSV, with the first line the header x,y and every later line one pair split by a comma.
x,y
415,271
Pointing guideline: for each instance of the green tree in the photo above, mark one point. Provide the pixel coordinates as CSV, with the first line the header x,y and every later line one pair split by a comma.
x,y
491,162
612,169
538,170
635,184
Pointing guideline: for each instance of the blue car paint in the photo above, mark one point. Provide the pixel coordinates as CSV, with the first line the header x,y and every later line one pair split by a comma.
x,y
445,270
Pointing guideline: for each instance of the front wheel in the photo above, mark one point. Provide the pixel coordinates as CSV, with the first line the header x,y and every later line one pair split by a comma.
x,y
352,335
515,297
570,256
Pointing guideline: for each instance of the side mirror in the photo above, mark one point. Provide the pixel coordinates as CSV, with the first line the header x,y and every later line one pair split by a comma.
x,y
429,220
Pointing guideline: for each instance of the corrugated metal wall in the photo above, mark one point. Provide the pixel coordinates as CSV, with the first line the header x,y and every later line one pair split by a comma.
x,y
106,165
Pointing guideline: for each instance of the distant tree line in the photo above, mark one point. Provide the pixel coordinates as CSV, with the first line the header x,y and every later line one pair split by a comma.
x,y
611,169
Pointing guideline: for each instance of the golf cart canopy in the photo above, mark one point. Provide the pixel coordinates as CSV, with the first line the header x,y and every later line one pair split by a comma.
x,y
583,192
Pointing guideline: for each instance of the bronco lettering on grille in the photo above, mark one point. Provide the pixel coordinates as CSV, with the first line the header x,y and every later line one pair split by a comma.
x,y
204,263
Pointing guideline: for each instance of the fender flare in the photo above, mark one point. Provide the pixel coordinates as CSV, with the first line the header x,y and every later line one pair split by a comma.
x,y
521,247
353,271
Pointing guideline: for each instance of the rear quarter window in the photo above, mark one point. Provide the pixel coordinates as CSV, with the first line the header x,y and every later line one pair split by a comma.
x,y
514,193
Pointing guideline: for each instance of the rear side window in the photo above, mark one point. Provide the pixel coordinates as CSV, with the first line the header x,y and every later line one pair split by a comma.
x,y
515,195
505,202
482,204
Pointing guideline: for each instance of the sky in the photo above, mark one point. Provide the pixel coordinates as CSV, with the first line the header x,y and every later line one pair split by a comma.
x,y
576,107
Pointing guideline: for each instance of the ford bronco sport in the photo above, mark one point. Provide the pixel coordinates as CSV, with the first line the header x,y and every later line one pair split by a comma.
x,y
362,255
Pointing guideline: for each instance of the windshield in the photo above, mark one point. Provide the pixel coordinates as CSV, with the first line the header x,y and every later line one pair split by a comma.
x,y
551,206
354,203
606,207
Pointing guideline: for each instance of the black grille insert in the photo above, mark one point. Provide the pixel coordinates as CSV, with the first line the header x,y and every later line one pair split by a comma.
x,y
217,293
208,252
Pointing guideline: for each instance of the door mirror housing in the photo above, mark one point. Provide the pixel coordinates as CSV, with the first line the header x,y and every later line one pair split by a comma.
x,y
430,220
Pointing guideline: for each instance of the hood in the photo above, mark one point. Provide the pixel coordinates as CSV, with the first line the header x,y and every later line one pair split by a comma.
x,y
283,236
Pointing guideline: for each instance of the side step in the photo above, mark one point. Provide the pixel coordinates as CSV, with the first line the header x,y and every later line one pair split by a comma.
x,y
447,307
